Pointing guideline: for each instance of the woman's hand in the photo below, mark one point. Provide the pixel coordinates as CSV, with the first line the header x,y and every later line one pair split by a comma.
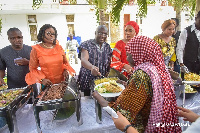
x,y
66,75
128,68
100,99
46,82
95,71
121,122
187,114
122,82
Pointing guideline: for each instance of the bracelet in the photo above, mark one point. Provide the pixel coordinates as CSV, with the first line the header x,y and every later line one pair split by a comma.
x,y
41,80
126,127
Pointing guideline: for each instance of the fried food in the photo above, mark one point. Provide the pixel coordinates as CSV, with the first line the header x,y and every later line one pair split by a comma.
x,y
109,87
8,96
55,92
99,81
191,77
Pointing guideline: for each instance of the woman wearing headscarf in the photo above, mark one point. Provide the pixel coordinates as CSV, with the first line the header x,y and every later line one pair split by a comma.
x,y
167,42
119,60
50,57
149,101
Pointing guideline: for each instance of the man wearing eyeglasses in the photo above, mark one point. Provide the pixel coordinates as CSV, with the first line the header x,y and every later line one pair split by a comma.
x,y
14,58
95,55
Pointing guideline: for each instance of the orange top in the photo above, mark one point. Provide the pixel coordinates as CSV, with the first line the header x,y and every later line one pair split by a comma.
x,y
52,63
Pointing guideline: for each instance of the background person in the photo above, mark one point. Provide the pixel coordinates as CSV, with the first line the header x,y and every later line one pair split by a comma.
x,y
176,37
72,45
50,57
149,97
95,55
167,42
188,48
119,60
14,58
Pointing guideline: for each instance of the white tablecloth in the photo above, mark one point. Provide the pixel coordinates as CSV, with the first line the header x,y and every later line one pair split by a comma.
x,y
26,121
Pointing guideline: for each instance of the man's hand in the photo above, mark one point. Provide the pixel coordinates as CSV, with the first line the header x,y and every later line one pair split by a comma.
x,y
187,114
95,71
184,69
22,62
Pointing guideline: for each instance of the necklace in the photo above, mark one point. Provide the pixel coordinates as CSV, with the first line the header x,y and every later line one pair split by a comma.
x,y
46,46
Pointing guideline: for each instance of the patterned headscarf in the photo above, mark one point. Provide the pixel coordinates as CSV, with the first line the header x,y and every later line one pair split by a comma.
x,y
134,25
145,50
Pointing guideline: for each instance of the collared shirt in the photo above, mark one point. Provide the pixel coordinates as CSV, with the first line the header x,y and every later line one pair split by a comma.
x,y
182,41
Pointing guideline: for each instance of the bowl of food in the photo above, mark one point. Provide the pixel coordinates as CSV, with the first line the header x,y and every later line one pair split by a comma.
x,y
189,92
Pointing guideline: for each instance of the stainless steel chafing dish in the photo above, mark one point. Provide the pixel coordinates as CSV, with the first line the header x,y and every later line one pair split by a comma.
x,y
71,98
111,97
9,110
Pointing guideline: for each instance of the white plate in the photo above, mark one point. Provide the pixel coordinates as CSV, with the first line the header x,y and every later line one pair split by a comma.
x,y
109,94
192,82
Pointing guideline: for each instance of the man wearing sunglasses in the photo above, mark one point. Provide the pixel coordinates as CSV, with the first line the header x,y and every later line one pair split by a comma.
x,y
14,58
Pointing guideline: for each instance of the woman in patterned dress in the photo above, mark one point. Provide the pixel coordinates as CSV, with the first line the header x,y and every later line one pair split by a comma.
x,y
167,42
119,60
149,101
95,57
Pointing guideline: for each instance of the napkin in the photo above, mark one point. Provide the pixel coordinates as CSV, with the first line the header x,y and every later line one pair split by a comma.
x,y
110,111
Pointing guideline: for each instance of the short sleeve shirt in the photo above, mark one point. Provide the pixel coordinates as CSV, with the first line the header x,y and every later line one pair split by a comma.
x,y
15,74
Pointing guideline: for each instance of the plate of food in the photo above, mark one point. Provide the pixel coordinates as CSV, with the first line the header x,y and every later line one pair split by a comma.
x,y
109,89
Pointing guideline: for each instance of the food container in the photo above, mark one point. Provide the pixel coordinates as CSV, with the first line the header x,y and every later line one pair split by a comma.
x,y
10,109
71,98
111,97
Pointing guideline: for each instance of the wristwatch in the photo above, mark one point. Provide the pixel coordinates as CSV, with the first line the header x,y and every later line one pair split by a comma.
x,y
126,127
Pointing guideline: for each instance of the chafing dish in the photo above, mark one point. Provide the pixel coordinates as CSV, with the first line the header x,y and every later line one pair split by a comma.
x,y
9,111
111,97
71,98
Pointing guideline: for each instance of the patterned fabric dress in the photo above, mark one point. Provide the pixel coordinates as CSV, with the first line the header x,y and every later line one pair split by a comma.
x,y
100,58
168,49
147,56
119,56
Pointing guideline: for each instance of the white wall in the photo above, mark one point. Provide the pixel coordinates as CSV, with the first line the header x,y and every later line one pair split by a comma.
x,y
58,21
85,26
9,21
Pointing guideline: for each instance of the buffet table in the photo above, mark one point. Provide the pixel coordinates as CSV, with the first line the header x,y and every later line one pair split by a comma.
x,y
26,121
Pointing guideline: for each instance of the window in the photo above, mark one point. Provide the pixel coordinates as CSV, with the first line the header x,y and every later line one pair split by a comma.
x,y
32,24
70,24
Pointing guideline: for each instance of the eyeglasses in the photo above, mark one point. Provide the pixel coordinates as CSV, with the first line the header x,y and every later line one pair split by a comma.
x,y
102,34
50,34
14,38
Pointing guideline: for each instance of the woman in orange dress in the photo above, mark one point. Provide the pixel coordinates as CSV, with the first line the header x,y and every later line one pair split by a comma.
x,y
50,57
119,60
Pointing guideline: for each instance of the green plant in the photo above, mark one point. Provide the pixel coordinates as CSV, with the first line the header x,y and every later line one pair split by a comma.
x,y
37,4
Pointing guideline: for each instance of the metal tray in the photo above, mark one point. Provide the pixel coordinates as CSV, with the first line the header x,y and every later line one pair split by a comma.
x,y
192,82
17,99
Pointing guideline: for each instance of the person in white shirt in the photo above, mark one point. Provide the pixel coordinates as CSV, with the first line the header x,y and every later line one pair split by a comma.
x,y
188,47
72,45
